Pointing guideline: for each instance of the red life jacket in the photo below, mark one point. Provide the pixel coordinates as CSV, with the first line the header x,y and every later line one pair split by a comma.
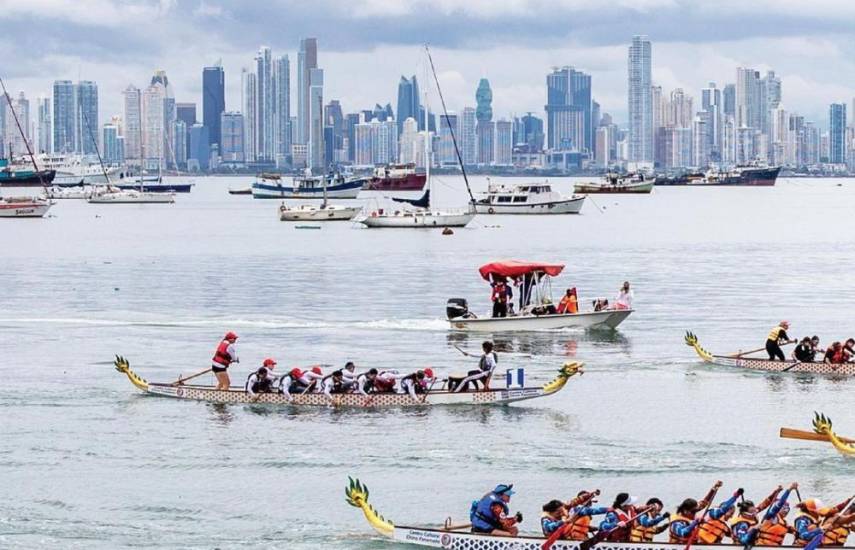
x,y
383,385
500,293
222,356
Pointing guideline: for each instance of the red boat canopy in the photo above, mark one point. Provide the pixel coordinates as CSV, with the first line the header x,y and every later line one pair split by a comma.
x,y
516,268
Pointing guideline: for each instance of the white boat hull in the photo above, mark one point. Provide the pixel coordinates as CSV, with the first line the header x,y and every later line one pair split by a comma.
x,y
569,206
419,219
132,197
620,188
318,214
609,318
24,209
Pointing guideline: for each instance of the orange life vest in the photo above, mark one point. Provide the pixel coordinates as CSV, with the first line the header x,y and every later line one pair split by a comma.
x,y
752,522
579,529
639,533
836,536
673,538
800,541
772,534
221,356
712,531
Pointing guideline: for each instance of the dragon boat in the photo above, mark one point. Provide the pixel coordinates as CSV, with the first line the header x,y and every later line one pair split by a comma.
x,y
499,396
822,431
741,361
456,538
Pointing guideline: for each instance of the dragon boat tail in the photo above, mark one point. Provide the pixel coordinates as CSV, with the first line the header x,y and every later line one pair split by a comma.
x,y
740,360
499,396
822,431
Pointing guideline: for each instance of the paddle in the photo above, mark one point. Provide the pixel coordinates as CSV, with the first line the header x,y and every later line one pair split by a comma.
x,y
741,353
561,531
424,396
791,433
590,542
817,540
696,531
181,380
467,354
794,365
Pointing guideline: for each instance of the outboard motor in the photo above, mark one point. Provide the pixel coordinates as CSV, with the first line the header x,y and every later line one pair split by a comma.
x,y
456,307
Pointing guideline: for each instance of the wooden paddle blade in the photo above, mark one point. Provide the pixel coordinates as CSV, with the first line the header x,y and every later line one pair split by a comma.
x,y
791,433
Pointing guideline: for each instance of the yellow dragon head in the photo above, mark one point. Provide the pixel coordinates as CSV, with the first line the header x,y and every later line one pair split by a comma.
x,y
564,373
822,425
692,341
356,494
124,367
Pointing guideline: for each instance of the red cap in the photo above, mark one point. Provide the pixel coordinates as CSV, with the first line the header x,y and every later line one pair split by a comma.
x,y
296,373
429,372
230,336
317,370
269,363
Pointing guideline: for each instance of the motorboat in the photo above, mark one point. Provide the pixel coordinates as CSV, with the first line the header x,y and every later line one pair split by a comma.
x,y
533,198
537,309
307,187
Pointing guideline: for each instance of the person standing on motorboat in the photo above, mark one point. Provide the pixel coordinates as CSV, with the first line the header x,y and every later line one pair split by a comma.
x,y
624,299
486,366
500,296
223,357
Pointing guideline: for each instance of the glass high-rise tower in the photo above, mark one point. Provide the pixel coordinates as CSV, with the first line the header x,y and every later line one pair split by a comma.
x,y
213,101
640,104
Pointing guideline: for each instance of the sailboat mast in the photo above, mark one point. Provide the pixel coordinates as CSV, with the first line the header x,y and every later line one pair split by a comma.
x,y
427,146
23,137
95,143
453,138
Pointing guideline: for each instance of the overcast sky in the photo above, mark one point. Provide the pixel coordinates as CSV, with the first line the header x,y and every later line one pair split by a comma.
x,y
365,45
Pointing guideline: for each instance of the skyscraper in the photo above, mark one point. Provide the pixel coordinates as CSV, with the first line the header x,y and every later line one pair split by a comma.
x,y
409,105
316,120
12,134
87,117
186,113
133,125
213,101
748,99
639,100
532,133
64,117
711,112
307,59
484,126
232,146
448,124
468,140
249,99
568,110
504,143
44,129
837,133
113,146
264,114
282,106
154,125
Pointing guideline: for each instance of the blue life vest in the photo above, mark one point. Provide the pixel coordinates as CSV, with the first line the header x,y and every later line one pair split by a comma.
x,y
481,516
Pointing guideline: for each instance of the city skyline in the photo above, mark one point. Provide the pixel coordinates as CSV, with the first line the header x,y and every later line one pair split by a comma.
x,y
804,45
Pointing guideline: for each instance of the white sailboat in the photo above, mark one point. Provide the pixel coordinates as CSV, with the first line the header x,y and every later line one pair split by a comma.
x,y
421,214
324,213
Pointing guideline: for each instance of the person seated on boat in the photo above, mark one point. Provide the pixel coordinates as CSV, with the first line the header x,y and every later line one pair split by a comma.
x,y
334,384
262,380
486,366
811,516
600,304
683,522
778,336
224,356
624,299
773,527
814,343
848,350
569,302
581,511
489,515
499,296
716,525
741,526
616,522
836,532
365,381
418,382
294,381
349,372
834,354
554,517
315,377
804,351
650,523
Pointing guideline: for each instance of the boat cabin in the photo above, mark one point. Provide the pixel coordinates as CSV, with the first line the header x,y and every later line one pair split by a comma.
x,y
518,194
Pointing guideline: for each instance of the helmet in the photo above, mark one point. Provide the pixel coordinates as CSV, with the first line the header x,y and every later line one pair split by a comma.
x,y
317,370
269,363
429,372
296,373
231,336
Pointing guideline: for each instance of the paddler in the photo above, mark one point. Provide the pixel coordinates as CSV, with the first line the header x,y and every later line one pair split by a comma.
x,y
349,372
773,528
294,381
569,302
486,366
581,514
715,527
684,522
834,354
742,524
417,382
804,352
650,523
261,381
489,515
315,377
224,356
617,519
333,384
777,337
836,532
807,523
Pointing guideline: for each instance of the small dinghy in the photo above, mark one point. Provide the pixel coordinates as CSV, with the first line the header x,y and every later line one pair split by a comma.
x,y
741,360
209,394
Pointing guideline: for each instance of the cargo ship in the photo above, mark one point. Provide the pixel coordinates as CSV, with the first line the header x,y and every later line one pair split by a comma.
x,y
746,176
396,177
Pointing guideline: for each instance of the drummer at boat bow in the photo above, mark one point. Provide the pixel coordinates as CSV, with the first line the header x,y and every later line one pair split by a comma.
x,y
486,366
489,515
224,356
778,336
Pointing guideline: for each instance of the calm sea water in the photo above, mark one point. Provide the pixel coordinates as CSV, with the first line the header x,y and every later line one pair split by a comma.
x,y
87,462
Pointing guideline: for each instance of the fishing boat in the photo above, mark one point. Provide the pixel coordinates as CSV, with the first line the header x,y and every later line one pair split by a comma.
x,y
752,175
742,361
396,177
420,214
307,187
458,537
538,198
24,207
537,310
822,431
613,183
209,394
11,176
